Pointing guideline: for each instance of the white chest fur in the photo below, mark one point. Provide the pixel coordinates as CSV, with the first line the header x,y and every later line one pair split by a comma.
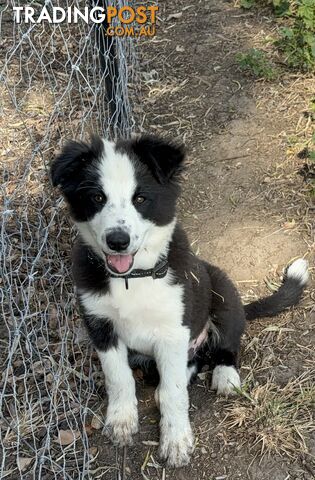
x,y
149,312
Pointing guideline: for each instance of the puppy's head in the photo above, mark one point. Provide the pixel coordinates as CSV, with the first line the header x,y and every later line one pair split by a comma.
x,y
119,193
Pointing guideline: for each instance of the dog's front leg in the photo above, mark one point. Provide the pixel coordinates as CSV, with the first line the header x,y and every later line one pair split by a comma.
x,y
122,416
176,438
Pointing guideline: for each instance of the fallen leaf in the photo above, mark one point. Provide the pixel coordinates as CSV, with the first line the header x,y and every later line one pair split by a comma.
x,y
23,462
49,378
88,429
66,437
53,317
96,423
38,367
174,15
93,451
266,180
289,225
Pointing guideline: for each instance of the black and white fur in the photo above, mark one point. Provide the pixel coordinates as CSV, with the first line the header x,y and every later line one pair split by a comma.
x,y
129,189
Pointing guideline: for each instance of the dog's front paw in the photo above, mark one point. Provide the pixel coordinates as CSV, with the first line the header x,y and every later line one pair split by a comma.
x,y
176,444
225,380
121,424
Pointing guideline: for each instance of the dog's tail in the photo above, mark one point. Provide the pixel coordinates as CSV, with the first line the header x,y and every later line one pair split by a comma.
x,y
289,294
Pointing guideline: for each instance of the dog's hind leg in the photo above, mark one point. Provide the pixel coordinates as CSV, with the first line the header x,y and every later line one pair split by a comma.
x,y
228,316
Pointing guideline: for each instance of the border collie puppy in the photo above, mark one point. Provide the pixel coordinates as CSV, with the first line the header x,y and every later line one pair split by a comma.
x,y
142,291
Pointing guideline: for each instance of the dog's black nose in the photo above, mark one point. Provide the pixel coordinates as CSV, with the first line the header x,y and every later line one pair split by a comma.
x,y
118,240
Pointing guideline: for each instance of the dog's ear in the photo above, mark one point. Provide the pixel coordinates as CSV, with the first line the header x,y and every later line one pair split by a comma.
x,y
165,159
74,157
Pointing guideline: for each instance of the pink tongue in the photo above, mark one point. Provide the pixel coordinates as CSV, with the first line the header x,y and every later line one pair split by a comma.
x,y
121,263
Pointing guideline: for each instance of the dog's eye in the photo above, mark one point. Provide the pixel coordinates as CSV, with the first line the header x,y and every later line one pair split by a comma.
x,y
139,199
99,198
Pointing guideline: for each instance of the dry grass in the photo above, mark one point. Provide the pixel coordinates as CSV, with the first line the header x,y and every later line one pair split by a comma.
x,y
274,419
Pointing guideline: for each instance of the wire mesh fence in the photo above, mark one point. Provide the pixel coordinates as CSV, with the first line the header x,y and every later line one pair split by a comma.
x,y
57,81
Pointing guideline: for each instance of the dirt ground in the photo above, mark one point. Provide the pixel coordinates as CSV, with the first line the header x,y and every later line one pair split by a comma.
x,y
246,209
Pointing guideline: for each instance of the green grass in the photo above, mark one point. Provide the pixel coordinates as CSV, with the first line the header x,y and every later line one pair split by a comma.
x,y
256,63
296,32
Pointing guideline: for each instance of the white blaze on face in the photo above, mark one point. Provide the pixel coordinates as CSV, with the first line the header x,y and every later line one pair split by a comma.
x,y
118,182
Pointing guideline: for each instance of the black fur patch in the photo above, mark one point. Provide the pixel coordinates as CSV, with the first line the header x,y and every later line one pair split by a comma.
x,y
88,269
289,294
160,199
227,309
157,164
100,331
75,172
163,158
90,275
192,274
221,356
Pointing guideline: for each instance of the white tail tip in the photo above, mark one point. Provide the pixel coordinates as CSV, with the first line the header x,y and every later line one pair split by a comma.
x,y
298,270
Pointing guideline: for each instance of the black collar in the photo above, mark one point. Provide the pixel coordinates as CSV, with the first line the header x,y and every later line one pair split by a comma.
x,y
158,271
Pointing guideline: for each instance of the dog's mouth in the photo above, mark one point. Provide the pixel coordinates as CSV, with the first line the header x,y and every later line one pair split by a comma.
x,y
118,263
